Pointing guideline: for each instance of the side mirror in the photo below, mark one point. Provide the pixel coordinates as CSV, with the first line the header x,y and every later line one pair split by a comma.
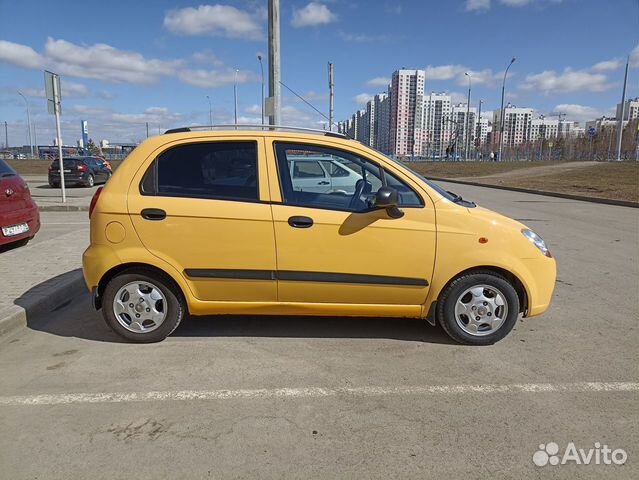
x,y
387,198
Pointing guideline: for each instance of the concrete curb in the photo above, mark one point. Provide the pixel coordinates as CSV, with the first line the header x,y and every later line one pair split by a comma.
x,y
63,208
42,299
582,198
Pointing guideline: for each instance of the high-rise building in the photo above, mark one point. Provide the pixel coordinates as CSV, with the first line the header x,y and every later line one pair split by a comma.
x,y
382,122
407,112
481,132
631,110
437,124
517,123
543,128
463,128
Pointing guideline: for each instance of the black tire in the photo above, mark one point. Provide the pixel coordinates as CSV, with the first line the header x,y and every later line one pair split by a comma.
x,y
90,182
175,305
450,295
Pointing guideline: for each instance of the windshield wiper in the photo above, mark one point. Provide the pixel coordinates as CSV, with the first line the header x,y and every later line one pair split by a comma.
x,y
456,198
8,174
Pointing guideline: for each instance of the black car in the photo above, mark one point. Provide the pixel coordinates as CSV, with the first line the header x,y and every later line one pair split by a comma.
x,y
86,171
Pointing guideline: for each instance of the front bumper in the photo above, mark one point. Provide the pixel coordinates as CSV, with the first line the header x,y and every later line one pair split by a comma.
x,y
542,274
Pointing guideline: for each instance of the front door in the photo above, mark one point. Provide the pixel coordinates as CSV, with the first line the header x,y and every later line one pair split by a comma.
x,y
333,248
204,209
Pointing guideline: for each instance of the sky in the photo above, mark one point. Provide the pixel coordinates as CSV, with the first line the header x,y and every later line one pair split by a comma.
x,y
125,63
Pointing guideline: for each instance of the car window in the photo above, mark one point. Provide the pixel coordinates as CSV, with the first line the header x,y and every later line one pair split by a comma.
x,y
334,170
353,189
307,169
213,170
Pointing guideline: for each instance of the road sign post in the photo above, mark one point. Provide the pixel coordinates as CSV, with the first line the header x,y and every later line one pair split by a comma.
x,y
52,88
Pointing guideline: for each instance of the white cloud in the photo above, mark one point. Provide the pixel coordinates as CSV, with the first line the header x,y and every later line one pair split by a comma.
x,y
215,78
69,89
569,80
314,13
379,82
634,57
207,57
457,73
578,113
223,20
104,95
104,62
362,99
477,5
20,55
607,65
363,37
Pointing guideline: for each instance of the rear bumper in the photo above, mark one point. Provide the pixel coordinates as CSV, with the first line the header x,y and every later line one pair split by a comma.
x,y
69,177
29,215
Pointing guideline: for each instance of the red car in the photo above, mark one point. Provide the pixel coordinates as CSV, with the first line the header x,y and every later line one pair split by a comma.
x,y
19,216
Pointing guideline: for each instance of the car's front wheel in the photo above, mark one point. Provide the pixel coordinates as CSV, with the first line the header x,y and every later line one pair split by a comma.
x,y
478,308
142,306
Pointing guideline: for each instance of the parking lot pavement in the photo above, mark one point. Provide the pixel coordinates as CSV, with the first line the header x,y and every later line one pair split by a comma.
x,y
277,397
47,197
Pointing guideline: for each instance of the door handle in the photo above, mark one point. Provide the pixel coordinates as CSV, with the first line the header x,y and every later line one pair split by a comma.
x,y
323,182
300,222
153,214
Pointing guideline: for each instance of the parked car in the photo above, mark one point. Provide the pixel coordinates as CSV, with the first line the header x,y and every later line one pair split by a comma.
x,y
213,222
19,215
106,163
322,175
86,171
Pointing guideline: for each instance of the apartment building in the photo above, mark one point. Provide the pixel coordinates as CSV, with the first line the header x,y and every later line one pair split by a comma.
x,y
382,122
517,123
630,111
546,128
407,112
437,124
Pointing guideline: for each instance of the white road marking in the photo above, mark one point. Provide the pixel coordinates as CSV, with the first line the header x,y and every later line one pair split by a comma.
x,y
316,392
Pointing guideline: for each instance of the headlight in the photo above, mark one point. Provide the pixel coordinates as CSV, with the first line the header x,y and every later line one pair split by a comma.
x,y
537,241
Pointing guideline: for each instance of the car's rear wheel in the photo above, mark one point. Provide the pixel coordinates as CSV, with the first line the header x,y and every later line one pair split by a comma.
x,y
478,308
142,306
90,180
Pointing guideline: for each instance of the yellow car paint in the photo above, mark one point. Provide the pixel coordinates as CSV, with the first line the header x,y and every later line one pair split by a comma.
x,y
436,242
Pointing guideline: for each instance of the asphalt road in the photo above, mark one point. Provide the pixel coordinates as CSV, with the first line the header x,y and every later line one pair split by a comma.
x,y
271,397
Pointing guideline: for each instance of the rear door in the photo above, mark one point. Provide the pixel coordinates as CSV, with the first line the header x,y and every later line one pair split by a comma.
x,y
308,175
202,206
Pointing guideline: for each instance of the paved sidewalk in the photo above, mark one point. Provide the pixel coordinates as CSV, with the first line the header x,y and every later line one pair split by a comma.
x,y
40,277
50,199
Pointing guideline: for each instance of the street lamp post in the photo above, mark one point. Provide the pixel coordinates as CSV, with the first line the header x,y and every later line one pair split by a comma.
x,y
259,58
28,121
478,132
542,134
210,111
467,127
235,96
501,116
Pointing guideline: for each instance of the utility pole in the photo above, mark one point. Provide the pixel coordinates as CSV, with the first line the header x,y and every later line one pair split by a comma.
x,y
542,135
501,113
210,111
147,129
274,73
235,97
6,136
623,108
28,121
478,132
54,104
331,85
467,132
259,58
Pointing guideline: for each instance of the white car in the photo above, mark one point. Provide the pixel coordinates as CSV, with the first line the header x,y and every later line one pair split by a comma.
x,y
322,175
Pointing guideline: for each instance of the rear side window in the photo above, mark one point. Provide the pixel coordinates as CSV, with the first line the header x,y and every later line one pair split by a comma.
x,y
307,169
212,170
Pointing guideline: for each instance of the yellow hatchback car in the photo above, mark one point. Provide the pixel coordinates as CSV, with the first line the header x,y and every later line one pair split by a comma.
x,y
278,222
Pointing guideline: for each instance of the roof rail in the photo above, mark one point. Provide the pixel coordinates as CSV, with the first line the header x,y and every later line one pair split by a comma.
x,y
241,126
